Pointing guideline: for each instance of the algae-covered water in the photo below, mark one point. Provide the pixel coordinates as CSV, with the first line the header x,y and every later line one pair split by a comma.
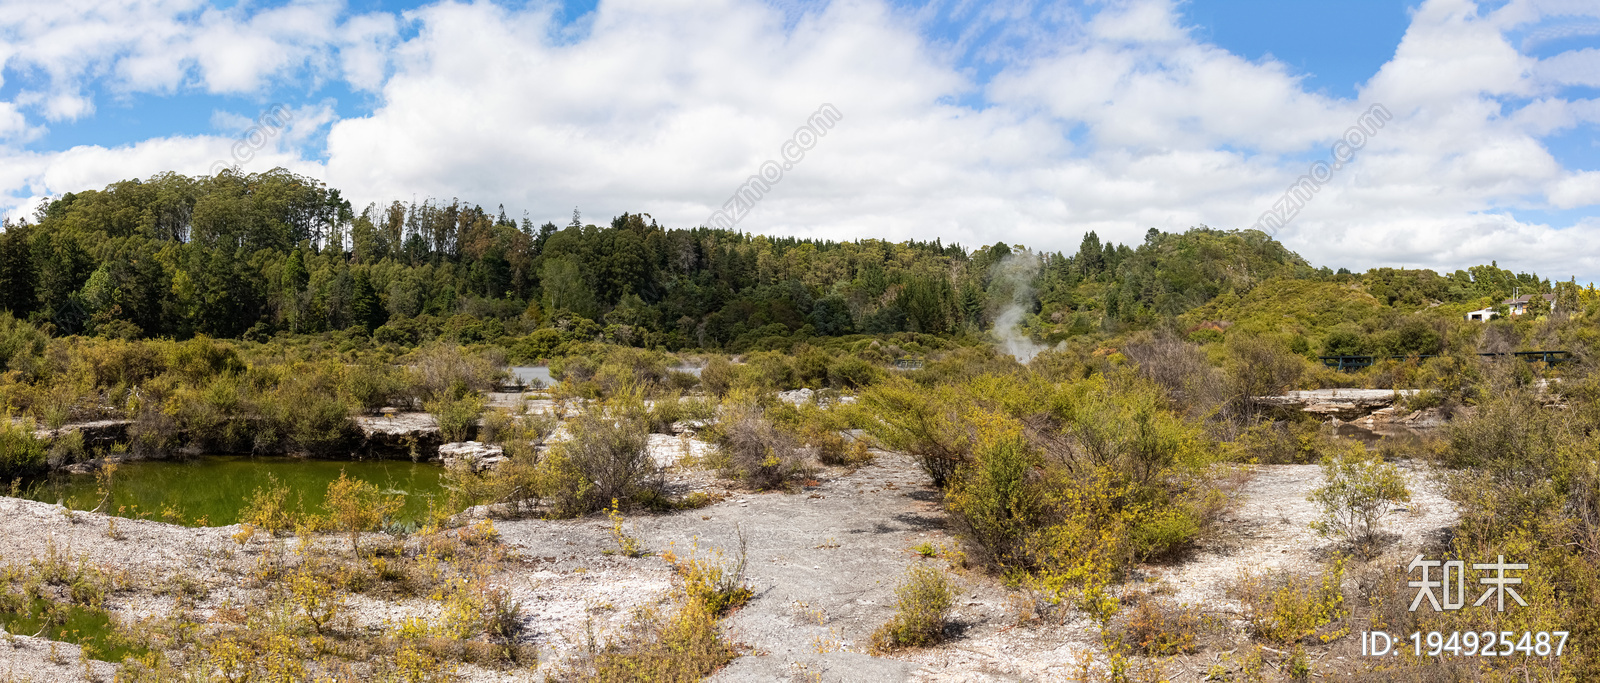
x,y
211,490
88,627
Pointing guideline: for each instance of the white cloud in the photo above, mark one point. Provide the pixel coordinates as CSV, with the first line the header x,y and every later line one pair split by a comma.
x,y
1578,67
1578,189
163,46
14,126
368,40
1116,122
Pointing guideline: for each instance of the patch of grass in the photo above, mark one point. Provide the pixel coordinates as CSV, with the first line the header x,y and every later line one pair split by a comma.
x,y
712,580
1289,608
627,543
923,602
1153,627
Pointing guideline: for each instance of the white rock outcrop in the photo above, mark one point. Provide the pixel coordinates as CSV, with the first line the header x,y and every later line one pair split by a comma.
x,y
1344,404
479,456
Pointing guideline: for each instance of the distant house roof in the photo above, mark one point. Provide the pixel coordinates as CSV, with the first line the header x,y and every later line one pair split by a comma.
x,y
1528,297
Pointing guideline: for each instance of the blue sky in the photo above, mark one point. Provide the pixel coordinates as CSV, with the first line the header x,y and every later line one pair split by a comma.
x,y
1333,46
1022,121
1336,46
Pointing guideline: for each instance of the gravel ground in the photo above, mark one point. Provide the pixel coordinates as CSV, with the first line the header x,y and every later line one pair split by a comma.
x,y
148,552
36,660
823,562
1268,529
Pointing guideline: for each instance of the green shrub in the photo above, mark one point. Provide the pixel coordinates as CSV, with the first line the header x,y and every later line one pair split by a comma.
x,y
1358,492
1289,608
20,451
1060,485
21,345
573,369
304,413
354,506
1257,366
767,371
202,358
606,458
917,420
66,448
1278,443
755,452
372,386
672,409
61,402
268,508
1162,531
711,580
717,377
852,372
923,601
445,371
624,368
684,647
680,381
217,417
496,428
991,499
457,417
1123,425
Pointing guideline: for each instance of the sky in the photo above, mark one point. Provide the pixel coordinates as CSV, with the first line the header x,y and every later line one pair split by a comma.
x,y
976,122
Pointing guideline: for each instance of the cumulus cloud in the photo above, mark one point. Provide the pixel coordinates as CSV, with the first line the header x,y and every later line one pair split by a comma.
x,y
1111,117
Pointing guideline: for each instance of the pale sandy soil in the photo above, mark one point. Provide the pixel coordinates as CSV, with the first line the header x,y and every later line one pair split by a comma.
x,y
823,562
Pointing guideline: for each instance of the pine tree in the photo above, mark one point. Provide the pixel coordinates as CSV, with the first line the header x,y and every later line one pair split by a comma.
x,y
365,309
17,292
1091,258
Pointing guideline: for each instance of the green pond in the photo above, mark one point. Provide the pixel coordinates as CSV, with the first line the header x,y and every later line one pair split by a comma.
x,y
211,490
88,627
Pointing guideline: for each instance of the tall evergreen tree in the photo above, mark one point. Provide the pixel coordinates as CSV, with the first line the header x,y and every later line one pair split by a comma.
x,y
17,292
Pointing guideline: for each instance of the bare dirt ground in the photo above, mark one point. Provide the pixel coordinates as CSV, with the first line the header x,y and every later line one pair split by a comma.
x,y
1268,529
823,562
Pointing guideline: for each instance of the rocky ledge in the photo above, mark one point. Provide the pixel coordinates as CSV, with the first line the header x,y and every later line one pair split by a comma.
x,y
96,434
1343,404
478,456
393,433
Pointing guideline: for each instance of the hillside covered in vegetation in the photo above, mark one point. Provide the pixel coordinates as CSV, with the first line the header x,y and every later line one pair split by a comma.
x,y
252,256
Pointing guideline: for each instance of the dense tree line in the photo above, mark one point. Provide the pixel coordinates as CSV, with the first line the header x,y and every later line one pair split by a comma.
x,y
254,255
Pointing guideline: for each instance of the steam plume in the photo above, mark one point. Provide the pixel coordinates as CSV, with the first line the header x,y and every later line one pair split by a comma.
x,y
1011,282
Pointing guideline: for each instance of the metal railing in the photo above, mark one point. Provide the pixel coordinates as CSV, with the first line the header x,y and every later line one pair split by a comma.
x,y
1357,362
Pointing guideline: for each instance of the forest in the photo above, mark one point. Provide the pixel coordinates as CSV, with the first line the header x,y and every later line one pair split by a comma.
x,y
253,256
